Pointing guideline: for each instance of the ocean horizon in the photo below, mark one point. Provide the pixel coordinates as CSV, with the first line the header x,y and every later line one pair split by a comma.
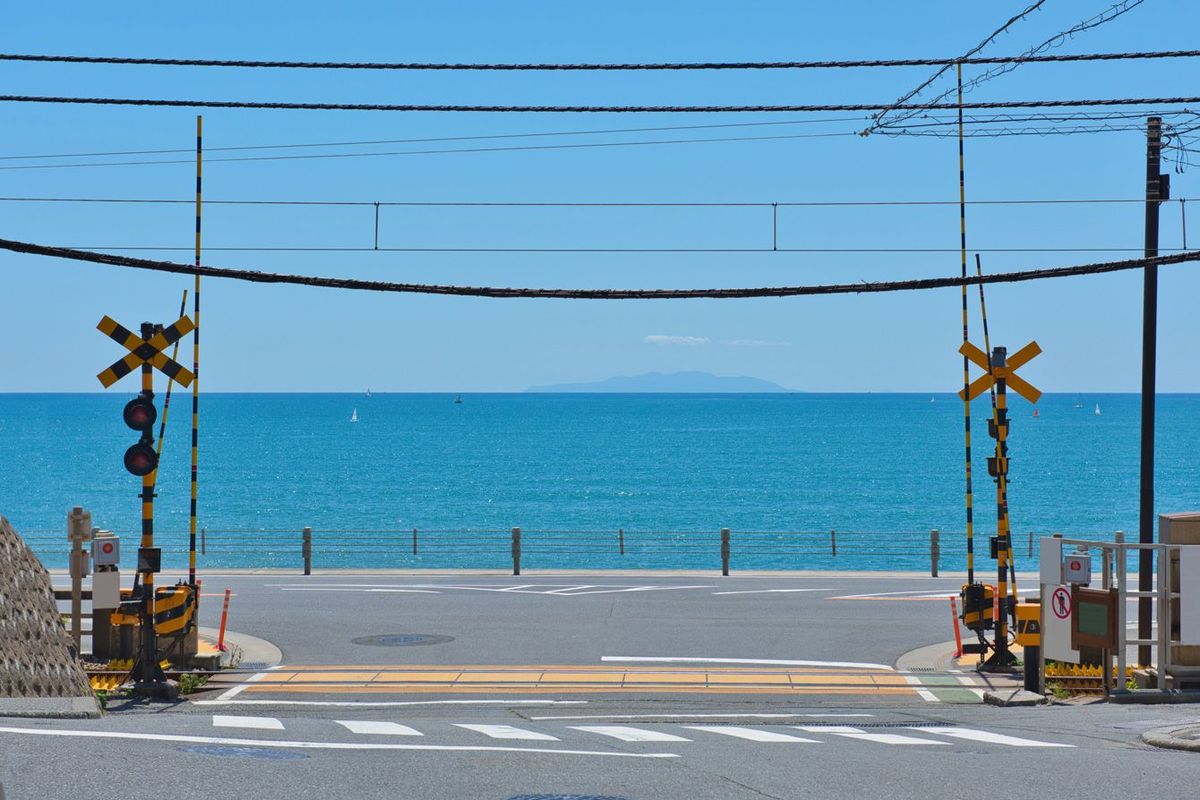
x,y
571,469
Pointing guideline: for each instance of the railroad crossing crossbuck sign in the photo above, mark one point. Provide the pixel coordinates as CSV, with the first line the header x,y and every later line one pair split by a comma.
x,y
1006,372
145,351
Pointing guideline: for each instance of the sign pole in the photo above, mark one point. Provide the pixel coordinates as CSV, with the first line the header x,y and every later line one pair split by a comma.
x,y
149,673
195,365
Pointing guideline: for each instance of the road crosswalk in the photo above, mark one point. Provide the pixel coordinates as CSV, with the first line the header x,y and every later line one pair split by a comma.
x,y
912,735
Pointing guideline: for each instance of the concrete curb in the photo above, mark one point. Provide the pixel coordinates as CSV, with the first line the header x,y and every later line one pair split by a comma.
x,y
50,707
1174,738
257,654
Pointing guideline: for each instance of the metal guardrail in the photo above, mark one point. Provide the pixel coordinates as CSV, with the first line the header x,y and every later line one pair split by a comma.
x,y
516,547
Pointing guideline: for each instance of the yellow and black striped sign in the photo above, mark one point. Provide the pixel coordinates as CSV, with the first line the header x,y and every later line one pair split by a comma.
x,y
995,372
173,609
142,351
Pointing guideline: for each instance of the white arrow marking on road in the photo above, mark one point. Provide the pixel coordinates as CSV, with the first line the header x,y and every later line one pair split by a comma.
x,y
992,738
377,728
156,737
773,591
256,723
859,733
777,662
628,734
751,734
508,732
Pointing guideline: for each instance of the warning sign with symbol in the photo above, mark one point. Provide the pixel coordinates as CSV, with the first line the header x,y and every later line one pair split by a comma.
x,y
1060,603
1056,624
106,551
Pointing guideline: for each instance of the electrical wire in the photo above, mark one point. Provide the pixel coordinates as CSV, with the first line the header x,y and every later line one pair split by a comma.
x,y
1109,14
567,250
592,294
592,67
586,109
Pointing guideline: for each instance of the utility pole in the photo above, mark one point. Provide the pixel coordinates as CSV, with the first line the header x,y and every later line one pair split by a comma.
x,y
1157,190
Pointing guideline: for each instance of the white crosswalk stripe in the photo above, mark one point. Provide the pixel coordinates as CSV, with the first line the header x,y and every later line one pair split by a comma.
x,y
629,734
859,733
974,735
751,734
257,723
373,727
508,732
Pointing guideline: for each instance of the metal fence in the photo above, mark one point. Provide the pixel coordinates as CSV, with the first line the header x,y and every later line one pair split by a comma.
x,y
311,548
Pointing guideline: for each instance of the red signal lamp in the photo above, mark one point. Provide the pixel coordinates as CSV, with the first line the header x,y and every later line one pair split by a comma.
x,y
140,459
140,413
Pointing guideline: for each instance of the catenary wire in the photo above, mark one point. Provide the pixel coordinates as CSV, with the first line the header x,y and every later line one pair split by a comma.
x,y
567,250
596,67
593,294
586,109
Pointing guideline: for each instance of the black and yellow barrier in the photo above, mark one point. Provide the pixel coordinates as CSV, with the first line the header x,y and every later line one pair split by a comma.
x,y
174,608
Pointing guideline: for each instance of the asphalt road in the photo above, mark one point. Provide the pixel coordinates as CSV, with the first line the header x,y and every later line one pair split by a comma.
x,y
833,728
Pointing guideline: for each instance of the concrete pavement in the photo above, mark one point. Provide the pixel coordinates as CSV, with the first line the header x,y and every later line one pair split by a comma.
x,y
627,686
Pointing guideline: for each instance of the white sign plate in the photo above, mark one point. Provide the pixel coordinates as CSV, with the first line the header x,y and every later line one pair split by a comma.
x,y
1056,623
1050,560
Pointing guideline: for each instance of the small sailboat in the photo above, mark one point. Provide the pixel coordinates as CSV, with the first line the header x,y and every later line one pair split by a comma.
x,y
1079,402
458,399
1097,409
932,399
368,391
354,415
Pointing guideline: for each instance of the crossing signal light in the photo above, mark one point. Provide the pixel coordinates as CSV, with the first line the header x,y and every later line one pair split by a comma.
x,y
140,415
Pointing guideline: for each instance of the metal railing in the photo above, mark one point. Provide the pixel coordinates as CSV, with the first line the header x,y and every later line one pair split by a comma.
x,y
496,548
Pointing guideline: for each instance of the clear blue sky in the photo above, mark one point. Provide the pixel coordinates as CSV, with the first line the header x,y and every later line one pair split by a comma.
x,y
295,339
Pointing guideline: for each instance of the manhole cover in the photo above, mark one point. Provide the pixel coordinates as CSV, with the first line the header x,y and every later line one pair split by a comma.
x,y
402,639
242,752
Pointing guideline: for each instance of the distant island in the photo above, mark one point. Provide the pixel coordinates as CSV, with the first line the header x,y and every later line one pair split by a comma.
x,y
677,382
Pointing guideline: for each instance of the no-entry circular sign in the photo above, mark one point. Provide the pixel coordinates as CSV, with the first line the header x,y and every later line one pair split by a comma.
x,y
1060,603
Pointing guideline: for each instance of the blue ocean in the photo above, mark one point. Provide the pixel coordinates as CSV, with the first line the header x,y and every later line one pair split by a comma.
x,y
781,471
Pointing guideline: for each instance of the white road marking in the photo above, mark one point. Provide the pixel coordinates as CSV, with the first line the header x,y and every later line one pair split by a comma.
x,y
256,723
751,734
376,728
628,734
924,694
859,733
385,704
241,687
772,591
992,738
508,732
703,716
151,737
776,662
336,589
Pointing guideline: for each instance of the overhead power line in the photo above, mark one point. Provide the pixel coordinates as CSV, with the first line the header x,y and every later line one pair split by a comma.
x,y
579,204
589,109
592,67
1107,15
592,294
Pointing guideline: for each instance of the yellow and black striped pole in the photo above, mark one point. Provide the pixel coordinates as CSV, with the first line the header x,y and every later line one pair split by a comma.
x,y
148,671
962,232
195,363
998,359
162,425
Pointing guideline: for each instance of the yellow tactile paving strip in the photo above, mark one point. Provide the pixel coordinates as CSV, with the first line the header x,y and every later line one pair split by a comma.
x,y
566,679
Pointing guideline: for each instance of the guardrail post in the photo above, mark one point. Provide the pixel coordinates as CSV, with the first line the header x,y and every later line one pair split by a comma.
x,y
833,543
516,550
724,551
414,541
621,539
306,549
1031,544
203,544
935,552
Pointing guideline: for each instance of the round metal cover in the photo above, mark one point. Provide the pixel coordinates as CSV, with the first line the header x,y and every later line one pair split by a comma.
x,y
402,639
